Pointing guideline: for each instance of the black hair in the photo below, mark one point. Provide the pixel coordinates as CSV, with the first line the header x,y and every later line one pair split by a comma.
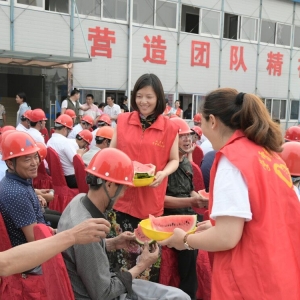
x,y
74,92
96,103
93,181
90,95
190,105
153,81
167,101
102,104
58,114
124,98
111,96
33,124
22,95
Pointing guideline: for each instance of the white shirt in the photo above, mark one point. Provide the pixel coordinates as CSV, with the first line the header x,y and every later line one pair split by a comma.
x,y
112,111
21,127
297,192
93,143
230,192
3,167
206,146
76,129
87,157
65,151
36,135
92,112
65,103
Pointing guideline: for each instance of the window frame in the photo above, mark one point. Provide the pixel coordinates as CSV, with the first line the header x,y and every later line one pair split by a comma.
x,y
241,28
199,18
200,23
265,43
297,47
5,2
238,27
290,119
140,24
112,19
28,6
86,16
162,27
272,106
279,45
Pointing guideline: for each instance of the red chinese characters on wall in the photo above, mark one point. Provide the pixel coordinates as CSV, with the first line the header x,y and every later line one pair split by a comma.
x,y
275,62
237,58
102,40
200,54
155,50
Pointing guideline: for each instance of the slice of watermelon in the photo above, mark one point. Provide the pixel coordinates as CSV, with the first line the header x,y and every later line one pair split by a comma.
x,y
140,237
143,170
204,194
169,223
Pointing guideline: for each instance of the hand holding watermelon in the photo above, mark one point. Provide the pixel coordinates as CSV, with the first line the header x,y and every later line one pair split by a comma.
x,y
176,240
158,178
122,241
148,257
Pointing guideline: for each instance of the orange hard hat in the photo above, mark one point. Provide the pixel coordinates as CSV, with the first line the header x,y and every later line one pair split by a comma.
x,y
27,114
197,118
105,118
105,132
112,165
6,128
71,113
88,119
43,150
18,143
4,133
85,135
198,130
65,120
291,156
183,127
37,115
293,134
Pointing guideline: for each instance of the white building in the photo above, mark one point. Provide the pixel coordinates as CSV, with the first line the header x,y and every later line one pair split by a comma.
x,y
194,46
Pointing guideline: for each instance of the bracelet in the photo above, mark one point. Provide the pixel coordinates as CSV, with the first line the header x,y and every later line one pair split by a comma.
x,y
185,243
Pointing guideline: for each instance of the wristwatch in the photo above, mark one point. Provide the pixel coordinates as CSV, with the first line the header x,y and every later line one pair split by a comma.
x,y
185,243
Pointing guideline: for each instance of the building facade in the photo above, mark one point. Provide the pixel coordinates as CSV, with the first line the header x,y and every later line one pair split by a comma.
x,y
194,46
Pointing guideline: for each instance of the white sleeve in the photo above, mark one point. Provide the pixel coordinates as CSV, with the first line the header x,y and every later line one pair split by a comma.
x,y
118,110
64,104
230,192
72,134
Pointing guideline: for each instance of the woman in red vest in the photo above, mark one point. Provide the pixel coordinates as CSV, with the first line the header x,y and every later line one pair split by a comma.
x,y
178,110
146,136
254,210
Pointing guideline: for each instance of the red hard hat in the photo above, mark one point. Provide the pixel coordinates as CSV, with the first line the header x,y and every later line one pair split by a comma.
x,y
105,118
42,151
17,144
112,165
197,118
6,128
105,132
86,135
88,119
65,120
27,113
291,156
37,115
183,126
293,134
4,133
71,113
198,130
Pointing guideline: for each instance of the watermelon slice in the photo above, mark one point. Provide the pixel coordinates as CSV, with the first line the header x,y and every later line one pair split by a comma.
x,y
140,237
203,194
169,223
143,170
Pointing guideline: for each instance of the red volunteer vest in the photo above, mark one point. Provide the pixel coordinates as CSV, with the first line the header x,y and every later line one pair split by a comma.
x,y
167,110
178,112
265,264
151,146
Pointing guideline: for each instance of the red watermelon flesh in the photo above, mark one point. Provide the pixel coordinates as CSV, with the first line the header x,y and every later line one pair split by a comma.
x,y
143,170
204,194
169,223
140,237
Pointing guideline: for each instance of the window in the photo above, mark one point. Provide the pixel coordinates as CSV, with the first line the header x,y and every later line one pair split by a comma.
x,y
249,29
88,8
297,37
231,26
294,110
268,32
166,14
37,3
143,12
61,6
276,108
190,19
115,9
283,34
210,22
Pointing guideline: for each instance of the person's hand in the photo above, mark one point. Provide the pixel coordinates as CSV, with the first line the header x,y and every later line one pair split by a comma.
x,y
82,151
124,240
192,148
42,201
44,191
148,257
90,231
158,178
201,226
199,201
176,240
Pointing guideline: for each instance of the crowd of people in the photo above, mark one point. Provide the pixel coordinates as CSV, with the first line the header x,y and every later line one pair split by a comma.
x,y
251,172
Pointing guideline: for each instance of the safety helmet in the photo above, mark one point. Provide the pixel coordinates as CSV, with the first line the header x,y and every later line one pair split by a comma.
x,y
17,144
71,113
3,134
197,118
105,132
291,156
112,165
197,130
85,135
293,134
64,120
43,150
88,119
105,118
6,128
37,115
183,126
26,114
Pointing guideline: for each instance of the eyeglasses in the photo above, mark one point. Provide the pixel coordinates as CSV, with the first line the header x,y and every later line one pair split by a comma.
x,y
78,137
101,124
185,136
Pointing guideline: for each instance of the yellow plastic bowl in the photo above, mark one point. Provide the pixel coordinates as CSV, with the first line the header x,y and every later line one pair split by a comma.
x,y
143,181
150,233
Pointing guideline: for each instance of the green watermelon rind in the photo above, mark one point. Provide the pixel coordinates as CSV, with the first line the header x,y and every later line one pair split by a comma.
x,y
150,241
169,223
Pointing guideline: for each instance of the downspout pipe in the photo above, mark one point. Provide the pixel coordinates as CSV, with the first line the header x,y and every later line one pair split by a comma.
x,y
72,12
12,25
221,44
177,49
258,49
129,56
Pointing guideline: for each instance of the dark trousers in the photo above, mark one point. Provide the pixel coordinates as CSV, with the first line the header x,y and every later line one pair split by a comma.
x,y
71,181
52,216
187,261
